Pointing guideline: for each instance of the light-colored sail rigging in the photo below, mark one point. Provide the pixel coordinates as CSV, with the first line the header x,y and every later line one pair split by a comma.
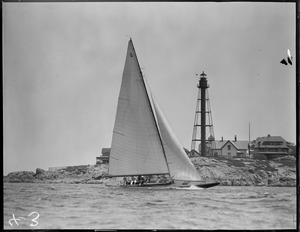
x,y
136,146
180,166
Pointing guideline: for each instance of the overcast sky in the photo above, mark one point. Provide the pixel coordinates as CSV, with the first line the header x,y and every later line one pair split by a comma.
x,y
63,63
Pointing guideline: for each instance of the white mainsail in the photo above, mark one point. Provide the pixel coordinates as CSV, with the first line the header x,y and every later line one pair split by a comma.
x,y
136,146
143,142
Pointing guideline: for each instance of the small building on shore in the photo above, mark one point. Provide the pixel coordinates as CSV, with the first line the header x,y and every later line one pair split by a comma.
x,y
270,147
193,153
230,148
104,158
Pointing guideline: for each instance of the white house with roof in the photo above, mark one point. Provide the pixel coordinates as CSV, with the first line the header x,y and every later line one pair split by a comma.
x,y
231,148
270,147
104,158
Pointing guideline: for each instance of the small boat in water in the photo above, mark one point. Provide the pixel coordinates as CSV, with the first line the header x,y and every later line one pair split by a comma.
x,y
143,143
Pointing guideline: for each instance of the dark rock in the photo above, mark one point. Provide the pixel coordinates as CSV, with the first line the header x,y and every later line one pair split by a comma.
x,y
39,171
251,171
97,177
19,177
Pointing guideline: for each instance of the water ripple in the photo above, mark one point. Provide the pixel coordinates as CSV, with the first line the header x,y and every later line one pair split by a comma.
x,y
100,207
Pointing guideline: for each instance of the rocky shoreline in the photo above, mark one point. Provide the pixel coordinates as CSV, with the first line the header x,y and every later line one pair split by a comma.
x,y
228,172
250,172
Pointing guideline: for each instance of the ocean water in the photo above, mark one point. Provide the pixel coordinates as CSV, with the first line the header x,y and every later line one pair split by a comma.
x,y
88,206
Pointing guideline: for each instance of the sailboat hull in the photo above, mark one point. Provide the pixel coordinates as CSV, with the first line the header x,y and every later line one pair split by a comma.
x,y
176,183
147,185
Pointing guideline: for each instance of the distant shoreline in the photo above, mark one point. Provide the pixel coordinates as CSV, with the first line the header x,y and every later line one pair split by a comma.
x,y
228,172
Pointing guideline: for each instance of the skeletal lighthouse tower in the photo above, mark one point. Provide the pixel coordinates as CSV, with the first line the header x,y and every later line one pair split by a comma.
x,y
203,132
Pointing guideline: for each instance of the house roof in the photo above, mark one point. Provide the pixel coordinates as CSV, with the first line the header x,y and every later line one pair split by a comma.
x,y
240,144
194,153
271,138
103,157
228,141
260,141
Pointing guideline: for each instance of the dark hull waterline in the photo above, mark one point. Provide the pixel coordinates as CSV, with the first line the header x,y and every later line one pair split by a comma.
x,y
204,185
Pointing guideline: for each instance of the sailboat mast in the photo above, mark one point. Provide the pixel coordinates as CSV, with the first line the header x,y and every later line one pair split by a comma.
x,y
155,122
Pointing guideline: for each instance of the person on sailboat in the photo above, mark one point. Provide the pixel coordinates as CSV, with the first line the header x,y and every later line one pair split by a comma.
x,y
146,179
125,182
141,180
133,180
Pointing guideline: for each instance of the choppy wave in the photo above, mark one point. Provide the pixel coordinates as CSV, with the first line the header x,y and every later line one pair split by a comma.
x,y
192,187
87,206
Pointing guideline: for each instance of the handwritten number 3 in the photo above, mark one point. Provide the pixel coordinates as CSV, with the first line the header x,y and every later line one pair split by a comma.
x,y
34,219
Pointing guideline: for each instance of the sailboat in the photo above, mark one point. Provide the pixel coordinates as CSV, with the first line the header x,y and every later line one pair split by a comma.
x,y
143,143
